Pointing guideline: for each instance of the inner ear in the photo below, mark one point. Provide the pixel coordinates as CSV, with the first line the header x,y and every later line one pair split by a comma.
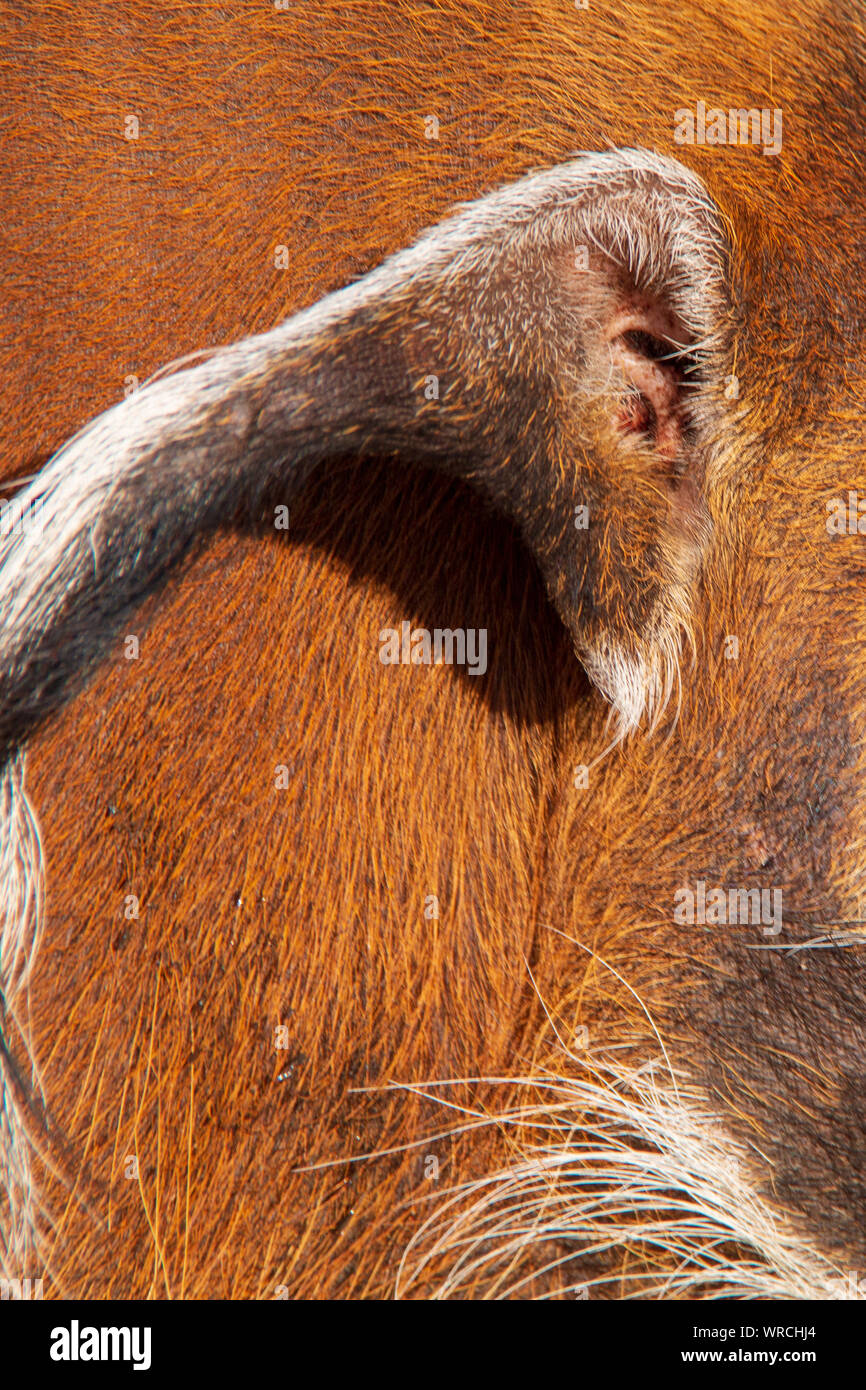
x,y
653,358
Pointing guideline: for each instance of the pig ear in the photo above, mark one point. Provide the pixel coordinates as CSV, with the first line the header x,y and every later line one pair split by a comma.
x,y
652,295
555,344
580,317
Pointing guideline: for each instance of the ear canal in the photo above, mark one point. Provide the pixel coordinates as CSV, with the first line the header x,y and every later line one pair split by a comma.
x,y
473,353
658,369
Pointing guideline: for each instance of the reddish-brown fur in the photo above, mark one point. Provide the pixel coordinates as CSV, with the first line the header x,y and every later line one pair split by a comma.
x,y
305,907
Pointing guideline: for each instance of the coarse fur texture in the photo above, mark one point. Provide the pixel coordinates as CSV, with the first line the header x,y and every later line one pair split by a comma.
x,y
307,908
608,1159
480,299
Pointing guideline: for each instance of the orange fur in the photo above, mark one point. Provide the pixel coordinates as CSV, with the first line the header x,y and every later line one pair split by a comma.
x,y
305,907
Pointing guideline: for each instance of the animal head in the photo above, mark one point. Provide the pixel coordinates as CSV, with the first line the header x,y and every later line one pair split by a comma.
x,y
636,373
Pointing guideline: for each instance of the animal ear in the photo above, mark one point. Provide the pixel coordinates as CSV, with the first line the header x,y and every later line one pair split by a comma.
x,y
557,344
561,345
585,333
623,305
